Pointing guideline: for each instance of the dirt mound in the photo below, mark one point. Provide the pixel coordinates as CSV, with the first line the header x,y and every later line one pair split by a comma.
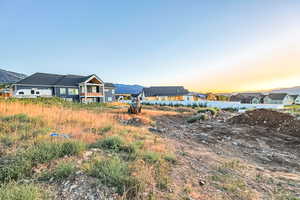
x,y
283,122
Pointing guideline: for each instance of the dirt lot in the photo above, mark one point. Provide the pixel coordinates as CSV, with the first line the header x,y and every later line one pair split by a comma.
x,y
250,156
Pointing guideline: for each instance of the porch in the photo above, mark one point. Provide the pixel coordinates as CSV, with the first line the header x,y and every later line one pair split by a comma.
x,y
91,91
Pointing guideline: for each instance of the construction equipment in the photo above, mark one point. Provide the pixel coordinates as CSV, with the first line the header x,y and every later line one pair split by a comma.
x,y
135,106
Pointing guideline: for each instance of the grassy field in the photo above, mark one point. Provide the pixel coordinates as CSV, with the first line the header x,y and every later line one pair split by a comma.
x,y
129,159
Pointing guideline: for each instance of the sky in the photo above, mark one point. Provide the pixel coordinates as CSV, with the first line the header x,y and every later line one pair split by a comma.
x,y
204,45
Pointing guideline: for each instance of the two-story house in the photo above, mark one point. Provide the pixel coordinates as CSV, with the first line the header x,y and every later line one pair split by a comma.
x,y
78,88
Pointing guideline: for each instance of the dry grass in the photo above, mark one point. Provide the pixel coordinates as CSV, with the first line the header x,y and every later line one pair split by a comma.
x,y
88,126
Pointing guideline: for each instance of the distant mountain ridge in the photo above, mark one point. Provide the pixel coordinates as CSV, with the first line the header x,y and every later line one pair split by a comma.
x,y
10,77
292,90
128,89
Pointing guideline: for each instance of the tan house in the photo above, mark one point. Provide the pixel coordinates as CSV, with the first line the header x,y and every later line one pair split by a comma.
x,y
211,97
279,98
166,93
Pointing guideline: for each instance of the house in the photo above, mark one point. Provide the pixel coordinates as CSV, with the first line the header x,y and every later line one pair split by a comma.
x,y
5,92
279,98
296,99
194,96
166,93
69,87
109,92
248,98
211,97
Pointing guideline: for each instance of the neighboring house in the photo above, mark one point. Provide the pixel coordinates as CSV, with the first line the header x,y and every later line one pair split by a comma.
x,y
248,98
166,93
69,87
296,99
5,92
110,91
211,97
194,96
279,98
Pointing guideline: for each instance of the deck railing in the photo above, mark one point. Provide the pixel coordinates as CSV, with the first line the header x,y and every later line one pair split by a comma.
x,y
92,94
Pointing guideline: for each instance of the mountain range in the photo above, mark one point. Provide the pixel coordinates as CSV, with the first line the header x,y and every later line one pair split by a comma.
x,y
128,89
10,77
291,90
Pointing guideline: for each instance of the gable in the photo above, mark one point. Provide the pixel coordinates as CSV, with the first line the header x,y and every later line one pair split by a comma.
x,y
93,79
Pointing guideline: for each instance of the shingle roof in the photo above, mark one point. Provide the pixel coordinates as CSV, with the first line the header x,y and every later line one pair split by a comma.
x,y
246,97
109,85
165,91
53,79
277,96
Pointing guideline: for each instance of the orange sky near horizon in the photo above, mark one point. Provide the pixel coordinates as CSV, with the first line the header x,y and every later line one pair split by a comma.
x,y
277,69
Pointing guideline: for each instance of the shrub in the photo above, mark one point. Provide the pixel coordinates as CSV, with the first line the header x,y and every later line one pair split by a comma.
x,y
63,170
14,168
19,166
197,118
46,151
230,109
116,173
18,117
170,158
101,131
113,143
13,191
151,157
212,111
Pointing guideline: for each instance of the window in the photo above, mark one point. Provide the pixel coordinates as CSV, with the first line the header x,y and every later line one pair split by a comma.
x,y
109,99
62,90
113,91
73,91
21,92
32,91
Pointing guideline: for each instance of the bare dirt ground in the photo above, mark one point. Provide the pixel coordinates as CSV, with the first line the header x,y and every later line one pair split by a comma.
x,y
223,158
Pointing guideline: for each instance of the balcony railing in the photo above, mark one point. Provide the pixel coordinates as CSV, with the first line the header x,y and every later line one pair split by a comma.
x,y
92,94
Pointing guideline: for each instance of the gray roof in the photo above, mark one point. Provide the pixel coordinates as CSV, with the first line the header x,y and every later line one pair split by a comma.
x,y
109,85
250,94
277,96
53,79
295,96
165,91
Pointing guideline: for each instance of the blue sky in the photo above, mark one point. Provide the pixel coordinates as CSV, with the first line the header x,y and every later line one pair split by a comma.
x,y
157,42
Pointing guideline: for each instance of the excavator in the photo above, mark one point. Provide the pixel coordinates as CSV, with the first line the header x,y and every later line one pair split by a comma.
x,y
135,107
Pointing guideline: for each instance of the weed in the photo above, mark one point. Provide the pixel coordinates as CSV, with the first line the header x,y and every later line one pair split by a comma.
x,y
116,173
102,130
212,111
46,151
170,158
113,143
63,170
197,118
19,166
14,191
151,157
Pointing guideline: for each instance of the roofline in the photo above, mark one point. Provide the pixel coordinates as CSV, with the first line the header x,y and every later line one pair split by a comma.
x,y
94,75
44,85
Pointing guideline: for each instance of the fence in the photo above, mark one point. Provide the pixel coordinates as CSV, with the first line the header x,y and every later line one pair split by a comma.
x,y
216,104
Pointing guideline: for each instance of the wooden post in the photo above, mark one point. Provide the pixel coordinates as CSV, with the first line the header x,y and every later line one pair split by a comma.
x,y
85,92
103,94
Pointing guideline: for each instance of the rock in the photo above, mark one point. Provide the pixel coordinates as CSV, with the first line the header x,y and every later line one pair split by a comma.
x,y
201,182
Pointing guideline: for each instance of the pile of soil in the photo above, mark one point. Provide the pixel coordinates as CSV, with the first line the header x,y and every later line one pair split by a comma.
x,y
282,122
